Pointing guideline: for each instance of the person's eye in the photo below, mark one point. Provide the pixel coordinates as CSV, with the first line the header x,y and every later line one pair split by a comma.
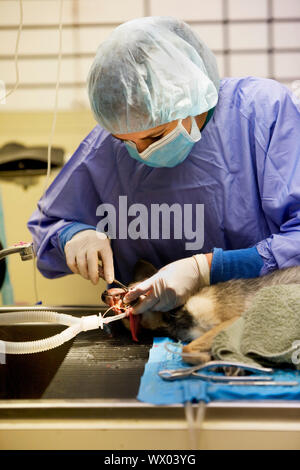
x,y
157,137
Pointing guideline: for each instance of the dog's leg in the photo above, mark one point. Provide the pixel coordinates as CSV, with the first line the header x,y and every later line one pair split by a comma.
x,y
201,346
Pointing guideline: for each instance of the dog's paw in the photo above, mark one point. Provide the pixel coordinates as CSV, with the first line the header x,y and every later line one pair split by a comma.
x,y
192,356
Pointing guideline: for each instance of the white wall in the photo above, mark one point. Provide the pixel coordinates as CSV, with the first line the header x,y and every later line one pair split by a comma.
x,y
32,128
239,27
236,30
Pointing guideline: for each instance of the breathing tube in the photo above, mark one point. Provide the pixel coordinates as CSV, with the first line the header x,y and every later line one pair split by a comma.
x,y
75,326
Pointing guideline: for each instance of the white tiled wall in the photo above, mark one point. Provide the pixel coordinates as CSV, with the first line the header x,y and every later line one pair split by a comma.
x,y
89,11
286,8
246,35
250,64
44,70
45,41
188,9
212,34
241,9
287,34
287,64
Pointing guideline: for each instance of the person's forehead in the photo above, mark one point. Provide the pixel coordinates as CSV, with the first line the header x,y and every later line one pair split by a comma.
x,y
143,134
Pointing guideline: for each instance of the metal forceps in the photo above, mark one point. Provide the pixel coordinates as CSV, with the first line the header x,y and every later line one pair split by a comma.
x,y
231,378
121,285
134,302
183,373
115,280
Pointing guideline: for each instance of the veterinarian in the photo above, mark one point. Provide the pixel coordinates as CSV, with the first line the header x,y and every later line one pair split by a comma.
x,y
171,132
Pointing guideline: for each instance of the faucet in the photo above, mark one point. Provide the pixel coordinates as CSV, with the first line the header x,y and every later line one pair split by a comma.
x,y
25,249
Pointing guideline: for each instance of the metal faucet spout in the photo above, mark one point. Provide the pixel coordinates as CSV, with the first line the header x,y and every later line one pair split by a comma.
x,y
25,250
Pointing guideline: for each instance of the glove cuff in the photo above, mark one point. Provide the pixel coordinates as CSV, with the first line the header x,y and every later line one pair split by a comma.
x,y
204,270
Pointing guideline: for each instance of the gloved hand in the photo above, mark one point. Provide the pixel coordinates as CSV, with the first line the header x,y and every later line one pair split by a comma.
x,y
171,286
83,252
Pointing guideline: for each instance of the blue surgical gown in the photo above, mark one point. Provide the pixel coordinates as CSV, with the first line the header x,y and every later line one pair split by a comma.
x,y
245,170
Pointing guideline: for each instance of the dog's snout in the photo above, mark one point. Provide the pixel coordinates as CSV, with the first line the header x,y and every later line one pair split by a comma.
x,y
103,296
113,295
107,298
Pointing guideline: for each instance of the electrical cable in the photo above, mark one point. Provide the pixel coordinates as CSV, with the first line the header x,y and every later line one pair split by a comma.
x,y
48,175
16,55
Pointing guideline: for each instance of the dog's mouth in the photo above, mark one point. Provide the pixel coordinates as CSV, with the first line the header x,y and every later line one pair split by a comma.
x,y
113,298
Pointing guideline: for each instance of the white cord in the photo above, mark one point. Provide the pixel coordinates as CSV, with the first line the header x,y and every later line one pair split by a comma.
x,y
55,106
54,112
17,82
16,54
36,295
52,131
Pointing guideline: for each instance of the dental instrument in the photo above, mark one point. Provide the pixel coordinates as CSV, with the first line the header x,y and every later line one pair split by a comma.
x,y
229,378
183,373
121,285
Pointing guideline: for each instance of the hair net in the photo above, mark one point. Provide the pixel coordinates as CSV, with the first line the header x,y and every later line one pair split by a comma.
x,y
151,71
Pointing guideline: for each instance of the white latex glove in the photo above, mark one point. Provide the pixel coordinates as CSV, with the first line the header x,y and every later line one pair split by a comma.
x,y
83,252
172,285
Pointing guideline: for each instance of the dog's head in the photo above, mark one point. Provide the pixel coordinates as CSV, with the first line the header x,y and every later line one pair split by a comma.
x,y
176,323
114,297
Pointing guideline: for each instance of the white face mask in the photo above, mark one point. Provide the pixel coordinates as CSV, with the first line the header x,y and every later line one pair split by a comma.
x,y
170,150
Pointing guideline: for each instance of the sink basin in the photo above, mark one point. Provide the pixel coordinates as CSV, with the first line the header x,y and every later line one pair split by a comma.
x,y
96,364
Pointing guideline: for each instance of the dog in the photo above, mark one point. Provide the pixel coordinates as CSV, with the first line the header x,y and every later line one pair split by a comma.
x,y
205,313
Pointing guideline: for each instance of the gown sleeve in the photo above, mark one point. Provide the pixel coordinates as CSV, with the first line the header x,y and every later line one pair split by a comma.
x,y
273,116
72,197
279,179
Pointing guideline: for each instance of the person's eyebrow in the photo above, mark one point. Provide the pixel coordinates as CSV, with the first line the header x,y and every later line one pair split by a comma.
x,y
154,134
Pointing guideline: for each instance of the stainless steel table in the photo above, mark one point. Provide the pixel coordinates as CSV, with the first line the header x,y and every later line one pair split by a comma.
x,y
82,396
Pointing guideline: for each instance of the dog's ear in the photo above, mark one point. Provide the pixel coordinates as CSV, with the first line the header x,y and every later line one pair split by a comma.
x,y
143,270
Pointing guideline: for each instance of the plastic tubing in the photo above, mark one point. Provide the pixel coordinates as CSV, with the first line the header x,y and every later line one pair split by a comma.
x,y
75,326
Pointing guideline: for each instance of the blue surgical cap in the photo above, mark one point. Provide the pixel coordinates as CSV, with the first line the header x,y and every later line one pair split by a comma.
x,y
151,71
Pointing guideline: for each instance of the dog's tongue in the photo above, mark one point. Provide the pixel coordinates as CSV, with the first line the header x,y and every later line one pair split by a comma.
x,y
134,322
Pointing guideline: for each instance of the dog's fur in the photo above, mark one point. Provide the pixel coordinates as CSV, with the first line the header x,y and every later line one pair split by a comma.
x,y
210,310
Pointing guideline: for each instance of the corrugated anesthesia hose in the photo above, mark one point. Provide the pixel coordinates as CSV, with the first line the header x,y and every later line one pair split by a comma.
x,y
75,326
